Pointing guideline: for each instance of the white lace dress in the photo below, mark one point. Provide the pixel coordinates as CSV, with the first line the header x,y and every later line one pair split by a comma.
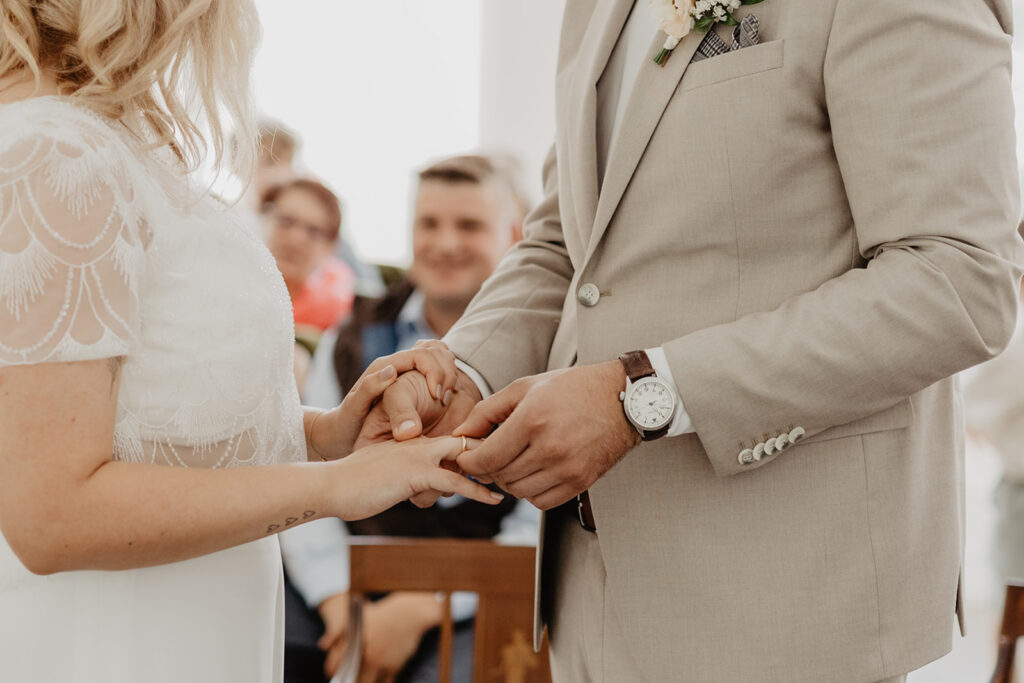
x,y
106,251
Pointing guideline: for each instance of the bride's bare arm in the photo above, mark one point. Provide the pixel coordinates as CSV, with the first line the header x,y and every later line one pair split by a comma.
x,y
65,504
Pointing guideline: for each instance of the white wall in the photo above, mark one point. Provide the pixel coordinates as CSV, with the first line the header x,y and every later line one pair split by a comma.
x,y
375,89
517,71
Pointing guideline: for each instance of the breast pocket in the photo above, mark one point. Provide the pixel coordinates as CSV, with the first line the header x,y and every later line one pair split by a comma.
x,y
743,62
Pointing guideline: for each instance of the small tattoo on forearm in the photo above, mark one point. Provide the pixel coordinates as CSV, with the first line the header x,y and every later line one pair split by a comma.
x,y
289,521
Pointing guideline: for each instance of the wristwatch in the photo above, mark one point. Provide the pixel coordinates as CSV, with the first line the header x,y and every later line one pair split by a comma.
x,y
648,401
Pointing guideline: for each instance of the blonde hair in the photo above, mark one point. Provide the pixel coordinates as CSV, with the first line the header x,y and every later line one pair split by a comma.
x,y
181,64
276,142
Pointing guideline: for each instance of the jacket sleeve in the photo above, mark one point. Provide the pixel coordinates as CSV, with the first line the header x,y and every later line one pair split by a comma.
x,y
922,121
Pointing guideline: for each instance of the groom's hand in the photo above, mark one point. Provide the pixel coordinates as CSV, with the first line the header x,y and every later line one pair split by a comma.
x,y
559,432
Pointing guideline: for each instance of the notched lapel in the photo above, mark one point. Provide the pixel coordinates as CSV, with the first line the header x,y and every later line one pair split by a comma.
x,y
596,48
651,94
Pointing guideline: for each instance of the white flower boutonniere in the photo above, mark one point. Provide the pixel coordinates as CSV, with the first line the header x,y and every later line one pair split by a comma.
x,y
678,17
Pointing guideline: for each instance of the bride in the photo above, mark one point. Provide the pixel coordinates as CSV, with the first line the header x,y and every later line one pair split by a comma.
x,y
152,438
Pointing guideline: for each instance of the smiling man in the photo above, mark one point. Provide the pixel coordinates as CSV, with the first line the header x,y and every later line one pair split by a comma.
x,y
467,214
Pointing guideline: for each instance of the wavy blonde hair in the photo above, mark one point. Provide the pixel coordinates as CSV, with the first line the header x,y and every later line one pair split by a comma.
x,y
182,64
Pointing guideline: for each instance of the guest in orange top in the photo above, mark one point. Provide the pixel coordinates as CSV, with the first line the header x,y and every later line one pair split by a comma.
x,y
303,224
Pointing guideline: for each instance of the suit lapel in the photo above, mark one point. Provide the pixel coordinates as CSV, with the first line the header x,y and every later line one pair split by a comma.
x,y
598,42
651,93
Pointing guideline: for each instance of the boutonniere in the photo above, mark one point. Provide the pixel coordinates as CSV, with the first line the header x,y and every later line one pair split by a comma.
x,y
678,17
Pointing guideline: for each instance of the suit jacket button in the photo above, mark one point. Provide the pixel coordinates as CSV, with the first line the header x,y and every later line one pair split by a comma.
x,y
769,447
759,451
747,457
796,434
782,442
589,295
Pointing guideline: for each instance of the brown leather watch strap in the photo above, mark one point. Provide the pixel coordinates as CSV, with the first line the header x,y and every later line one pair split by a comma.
x,y
656,434
637,365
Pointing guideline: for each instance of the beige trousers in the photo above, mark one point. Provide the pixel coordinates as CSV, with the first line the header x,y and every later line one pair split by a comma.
x,y
585,637
585,641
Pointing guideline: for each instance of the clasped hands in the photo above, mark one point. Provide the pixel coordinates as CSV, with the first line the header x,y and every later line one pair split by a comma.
x,y
545,438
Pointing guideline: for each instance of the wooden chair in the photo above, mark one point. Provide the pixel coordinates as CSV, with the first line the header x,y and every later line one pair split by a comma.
x,y
1013,628
501,575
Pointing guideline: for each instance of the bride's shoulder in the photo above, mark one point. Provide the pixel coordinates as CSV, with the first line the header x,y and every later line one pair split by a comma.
x,y
40,114
54,129
59,152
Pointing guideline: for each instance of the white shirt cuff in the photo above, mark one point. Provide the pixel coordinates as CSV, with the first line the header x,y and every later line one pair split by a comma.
x,y
681,422
478,379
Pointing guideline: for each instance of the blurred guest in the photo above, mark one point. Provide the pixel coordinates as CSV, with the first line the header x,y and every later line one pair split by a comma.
x,y
278,162
467,213
509,166
277,148
303,224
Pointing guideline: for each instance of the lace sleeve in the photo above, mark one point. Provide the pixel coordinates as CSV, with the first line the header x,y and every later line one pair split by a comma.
x,y
70,251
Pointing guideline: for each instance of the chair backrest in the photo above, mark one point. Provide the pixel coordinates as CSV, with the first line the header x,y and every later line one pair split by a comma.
x,y
501,575
1013,628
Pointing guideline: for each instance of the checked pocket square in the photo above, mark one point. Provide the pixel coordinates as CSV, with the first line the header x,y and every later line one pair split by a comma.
x,y
743,35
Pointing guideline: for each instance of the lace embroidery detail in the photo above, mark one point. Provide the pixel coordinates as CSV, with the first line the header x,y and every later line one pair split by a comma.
x,y
106,251
128,440
76,181
23,275
128,260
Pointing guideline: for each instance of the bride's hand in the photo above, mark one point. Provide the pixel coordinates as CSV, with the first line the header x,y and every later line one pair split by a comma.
x,y
377,477
335,431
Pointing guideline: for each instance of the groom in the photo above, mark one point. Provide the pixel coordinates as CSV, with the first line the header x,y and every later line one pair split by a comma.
x,y
781,245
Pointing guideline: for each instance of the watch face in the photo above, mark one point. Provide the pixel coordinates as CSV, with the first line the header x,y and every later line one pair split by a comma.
x,y
650,404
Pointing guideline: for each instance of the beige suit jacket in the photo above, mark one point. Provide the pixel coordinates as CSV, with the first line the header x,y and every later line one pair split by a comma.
x,y
820,231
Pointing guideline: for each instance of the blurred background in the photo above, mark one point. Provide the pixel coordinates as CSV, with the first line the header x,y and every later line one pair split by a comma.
x,y
375,91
